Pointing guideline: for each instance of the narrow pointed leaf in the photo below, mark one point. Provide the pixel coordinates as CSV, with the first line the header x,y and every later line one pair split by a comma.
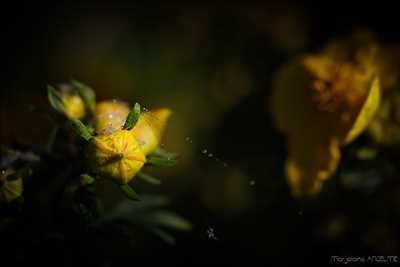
x,y
148,178
86,93
166,237
161,162
170,220
129,192
133,117
86,179
55,99
52,139
159,152
81,129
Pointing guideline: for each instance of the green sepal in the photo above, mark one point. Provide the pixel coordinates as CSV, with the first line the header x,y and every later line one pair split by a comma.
x,y
80,129
55,99
86,179
129,192
161,162
86,93
159,152
132,118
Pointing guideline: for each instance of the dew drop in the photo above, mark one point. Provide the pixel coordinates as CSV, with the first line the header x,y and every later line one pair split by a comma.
x,y
252,182
210,155
204,151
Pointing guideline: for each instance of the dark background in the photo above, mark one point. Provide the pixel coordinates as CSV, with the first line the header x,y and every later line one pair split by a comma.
x,y
212,64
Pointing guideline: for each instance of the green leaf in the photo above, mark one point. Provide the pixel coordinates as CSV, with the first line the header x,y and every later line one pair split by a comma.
x,y
159,152
86,179
81,129
161,162
166,237
133,117
129,192
170,220
148,178
52,139
86,93
55,99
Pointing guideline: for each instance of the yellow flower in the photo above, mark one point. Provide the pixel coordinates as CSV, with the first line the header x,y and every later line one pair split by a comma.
x,y
74,107
111,115
116,155
321,102
10,189
149,129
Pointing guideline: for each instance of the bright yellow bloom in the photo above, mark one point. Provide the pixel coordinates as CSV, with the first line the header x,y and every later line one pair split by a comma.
x,y
321,102
111,115
10,189
116,155
149,129
74,106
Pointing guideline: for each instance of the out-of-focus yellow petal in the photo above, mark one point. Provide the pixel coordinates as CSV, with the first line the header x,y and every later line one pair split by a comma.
x,y
310,162
149,129
110,116
116,155
313,145
367,112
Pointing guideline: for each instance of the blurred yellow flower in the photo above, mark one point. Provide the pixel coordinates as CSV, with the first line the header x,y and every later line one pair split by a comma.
x,y
116,155
10,189
320,102
111,115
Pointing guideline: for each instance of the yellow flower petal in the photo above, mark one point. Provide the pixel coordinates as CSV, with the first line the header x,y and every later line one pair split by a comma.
x,y
367,112
116,155
310,163
110,116
149,129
